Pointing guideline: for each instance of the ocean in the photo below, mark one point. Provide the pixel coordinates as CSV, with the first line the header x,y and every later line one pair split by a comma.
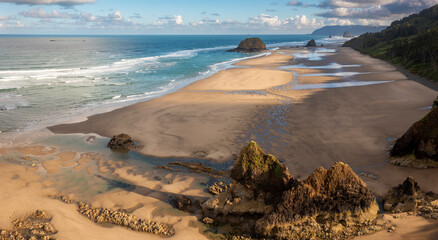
x,y
45,80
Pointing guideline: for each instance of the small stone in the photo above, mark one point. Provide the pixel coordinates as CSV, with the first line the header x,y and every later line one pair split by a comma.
x,y
207,220
405,207
157,178
434,204
391,229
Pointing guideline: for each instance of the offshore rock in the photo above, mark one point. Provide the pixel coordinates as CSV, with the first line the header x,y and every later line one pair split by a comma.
x,y
265,201
346,34
311,43
122,142
418,147
250,45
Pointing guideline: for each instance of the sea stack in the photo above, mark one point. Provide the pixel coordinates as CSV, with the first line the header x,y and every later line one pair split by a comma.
x,y
265,201
250,45
418,147
347,34
311,43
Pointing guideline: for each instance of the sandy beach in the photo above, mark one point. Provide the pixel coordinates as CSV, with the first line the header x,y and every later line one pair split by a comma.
x,y
328,105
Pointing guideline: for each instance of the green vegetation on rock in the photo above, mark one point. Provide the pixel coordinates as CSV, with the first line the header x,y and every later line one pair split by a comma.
x,y
411,42
255,168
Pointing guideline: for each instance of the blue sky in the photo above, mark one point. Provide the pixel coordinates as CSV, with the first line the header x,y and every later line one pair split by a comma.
x,y
196,16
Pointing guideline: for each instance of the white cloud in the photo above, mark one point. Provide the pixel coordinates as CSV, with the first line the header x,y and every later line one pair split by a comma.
x,y
41,13
50,2
116,16
373,9
19,24
373,22
205,21
169,20
354,3
265,19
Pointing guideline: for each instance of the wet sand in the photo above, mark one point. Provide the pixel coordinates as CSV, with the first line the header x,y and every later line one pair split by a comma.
x,y
209,115
257,101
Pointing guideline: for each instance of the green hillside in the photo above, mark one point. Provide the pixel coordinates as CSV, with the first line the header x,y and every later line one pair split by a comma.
x,y
411,42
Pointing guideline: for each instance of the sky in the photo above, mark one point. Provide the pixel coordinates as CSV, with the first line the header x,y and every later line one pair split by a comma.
x,y
114,17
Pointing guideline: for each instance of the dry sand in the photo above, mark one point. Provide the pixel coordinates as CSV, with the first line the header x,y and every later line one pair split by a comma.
x,y
304,128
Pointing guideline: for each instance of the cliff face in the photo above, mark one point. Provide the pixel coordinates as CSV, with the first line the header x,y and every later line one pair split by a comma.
x,y
250,45
265,201
421,139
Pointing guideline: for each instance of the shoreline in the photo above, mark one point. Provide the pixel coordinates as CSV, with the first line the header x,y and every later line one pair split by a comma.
x,y
209,93
304,127
105,106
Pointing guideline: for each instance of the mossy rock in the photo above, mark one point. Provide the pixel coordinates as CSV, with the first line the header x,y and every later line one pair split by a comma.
x,y
260,171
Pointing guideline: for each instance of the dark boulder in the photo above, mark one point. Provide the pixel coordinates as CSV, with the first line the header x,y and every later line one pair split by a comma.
x,y
421,139
122,142
183,203
250,45
311,43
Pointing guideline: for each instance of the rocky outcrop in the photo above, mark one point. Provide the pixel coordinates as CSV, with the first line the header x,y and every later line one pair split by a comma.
x,y
346,34
122,142
403,198
31,226
250,45
418,147
408,197
121,217
265,201
124,219
311,43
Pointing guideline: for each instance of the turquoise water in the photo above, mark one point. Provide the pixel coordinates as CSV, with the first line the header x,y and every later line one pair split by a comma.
x,y
50,79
